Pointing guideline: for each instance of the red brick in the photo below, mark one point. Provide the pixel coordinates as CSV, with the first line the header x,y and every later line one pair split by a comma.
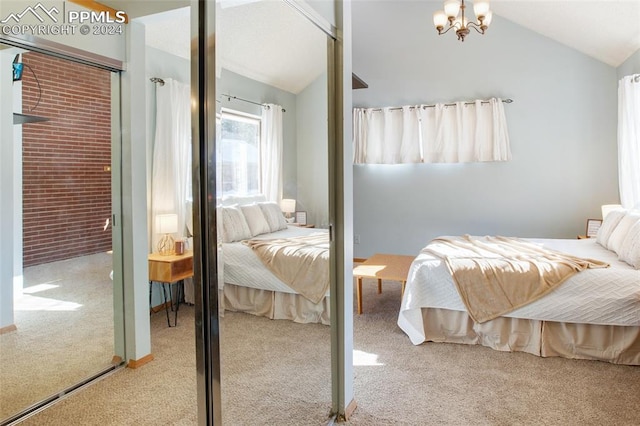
x,y
66,192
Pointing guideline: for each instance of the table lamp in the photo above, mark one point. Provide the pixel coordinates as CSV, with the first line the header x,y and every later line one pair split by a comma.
x,y
167,224
288,206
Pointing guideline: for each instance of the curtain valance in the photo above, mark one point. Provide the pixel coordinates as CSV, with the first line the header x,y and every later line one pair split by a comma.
x,y
441,133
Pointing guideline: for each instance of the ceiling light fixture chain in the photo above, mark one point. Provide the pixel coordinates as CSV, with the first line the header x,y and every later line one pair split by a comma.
x,y
461,24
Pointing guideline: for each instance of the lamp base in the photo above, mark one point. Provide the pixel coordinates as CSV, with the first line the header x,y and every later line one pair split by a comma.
x,y
166,245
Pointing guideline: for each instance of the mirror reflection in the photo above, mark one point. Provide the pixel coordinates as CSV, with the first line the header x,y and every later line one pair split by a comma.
x,y
61,243
272,163
272,203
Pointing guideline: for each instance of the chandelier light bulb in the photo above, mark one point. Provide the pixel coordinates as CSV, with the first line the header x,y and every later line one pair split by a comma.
x,y
439,19
461,23
487,18
480,8
451,8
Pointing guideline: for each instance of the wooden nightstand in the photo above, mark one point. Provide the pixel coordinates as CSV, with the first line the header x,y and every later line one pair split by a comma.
x,y
170,269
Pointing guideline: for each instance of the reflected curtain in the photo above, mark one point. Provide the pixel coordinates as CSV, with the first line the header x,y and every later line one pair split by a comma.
x,y
629,140
441,133
271,152
171,168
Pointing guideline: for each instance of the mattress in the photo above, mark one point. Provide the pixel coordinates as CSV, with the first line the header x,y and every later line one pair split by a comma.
x,y
243,268
609,296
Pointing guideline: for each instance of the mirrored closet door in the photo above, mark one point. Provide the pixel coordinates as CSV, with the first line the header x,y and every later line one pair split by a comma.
x,y
273,215
57,326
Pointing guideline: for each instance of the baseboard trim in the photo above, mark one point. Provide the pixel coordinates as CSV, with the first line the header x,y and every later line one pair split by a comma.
x,y
348,411
116,360
8,329
137,363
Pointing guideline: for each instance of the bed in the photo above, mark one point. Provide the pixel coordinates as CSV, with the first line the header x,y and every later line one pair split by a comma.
x,y
245,226
593,314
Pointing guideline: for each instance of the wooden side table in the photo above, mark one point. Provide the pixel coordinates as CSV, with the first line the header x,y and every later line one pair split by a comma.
x,y
391,267
167,270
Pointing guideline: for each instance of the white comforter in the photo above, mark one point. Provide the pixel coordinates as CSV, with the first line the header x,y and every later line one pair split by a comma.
x,y
609,296
241,266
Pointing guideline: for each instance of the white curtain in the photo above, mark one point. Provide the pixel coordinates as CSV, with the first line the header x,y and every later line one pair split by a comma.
x,y
386,135
271,152
629,140
171,169
461,132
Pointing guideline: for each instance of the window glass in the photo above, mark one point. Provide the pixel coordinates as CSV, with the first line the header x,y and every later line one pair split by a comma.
x,y
238,154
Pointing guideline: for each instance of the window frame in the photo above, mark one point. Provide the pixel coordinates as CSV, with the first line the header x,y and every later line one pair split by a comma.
x,y
243,117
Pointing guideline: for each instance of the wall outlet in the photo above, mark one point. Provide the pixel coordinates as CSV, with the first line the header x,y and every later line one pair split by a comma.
x,y
356,239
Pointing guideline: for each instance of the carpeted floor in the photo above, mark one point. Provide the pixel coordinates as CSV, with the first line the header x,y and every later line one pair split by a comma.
x,y
65,305
278,372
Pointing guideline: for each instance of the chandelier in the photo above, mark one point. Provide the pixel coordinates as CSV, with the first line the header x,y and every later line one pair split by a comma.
x,y
460,22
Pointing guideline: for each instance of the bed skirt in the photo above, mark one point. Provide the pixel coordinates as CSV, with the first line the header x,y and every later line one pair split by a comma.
x,y
274,304
615,344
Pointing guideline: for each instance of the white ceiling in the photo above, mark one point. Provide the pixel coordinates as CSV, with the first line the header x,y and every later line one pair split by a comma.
x,y
267,41
291,53
608,30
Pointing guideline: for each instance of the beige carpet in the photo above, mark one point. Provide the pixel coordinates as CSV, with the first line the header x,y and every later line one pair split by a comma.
x,y
277,372
64,331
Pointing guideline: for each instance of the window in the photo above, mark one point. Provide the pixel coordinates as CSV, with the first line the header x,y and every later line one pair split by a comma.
x,y
238,154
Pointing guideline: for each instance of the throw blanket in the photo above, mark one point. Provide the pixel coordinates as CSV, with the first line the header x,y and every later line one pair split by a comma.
x,y
300,262
496,275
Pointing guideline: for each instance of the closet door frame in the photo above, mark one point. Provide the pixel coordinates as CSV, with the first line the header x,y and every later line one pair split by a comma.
x,y
203,94
115,67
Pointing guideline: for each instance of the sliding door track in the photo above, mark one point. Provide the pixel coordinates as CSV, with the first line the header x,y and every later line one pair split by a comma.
x,y
47,402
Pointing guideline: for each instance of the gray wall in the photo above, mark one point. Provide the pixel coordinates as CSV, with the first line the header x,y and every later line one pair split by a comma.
x,y
562,128
630,66
313,152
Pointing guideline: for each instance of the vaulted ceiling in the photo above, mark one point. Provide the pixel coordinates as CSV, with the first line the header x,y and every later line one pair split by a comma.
x,y
286,55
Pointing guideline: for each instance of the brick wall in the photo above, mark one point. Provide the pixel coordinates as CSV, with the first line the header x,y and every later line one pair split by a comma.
x,y
66,190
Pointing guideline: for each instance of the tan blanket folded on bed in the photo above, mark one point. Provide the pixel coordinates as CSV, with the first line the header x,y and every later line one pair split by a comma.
x,y
300,262
496,275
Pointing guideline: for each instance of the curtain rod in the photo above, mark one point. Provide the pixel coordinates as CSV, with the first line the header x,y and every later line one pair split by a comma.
x,y
506,101
229,97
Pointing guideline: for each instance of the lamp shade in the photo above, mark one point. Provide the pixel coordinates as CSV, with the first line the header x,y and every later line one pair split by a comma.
x,y
487,18
439,19
288,205
451,8
480,8
167,223
608,208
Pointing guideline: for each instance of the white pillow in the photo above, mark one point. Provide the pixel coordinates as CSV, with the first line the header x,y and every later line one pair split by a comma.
x,y
255,219
618,235
234,225
608,226
630,248
274,216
